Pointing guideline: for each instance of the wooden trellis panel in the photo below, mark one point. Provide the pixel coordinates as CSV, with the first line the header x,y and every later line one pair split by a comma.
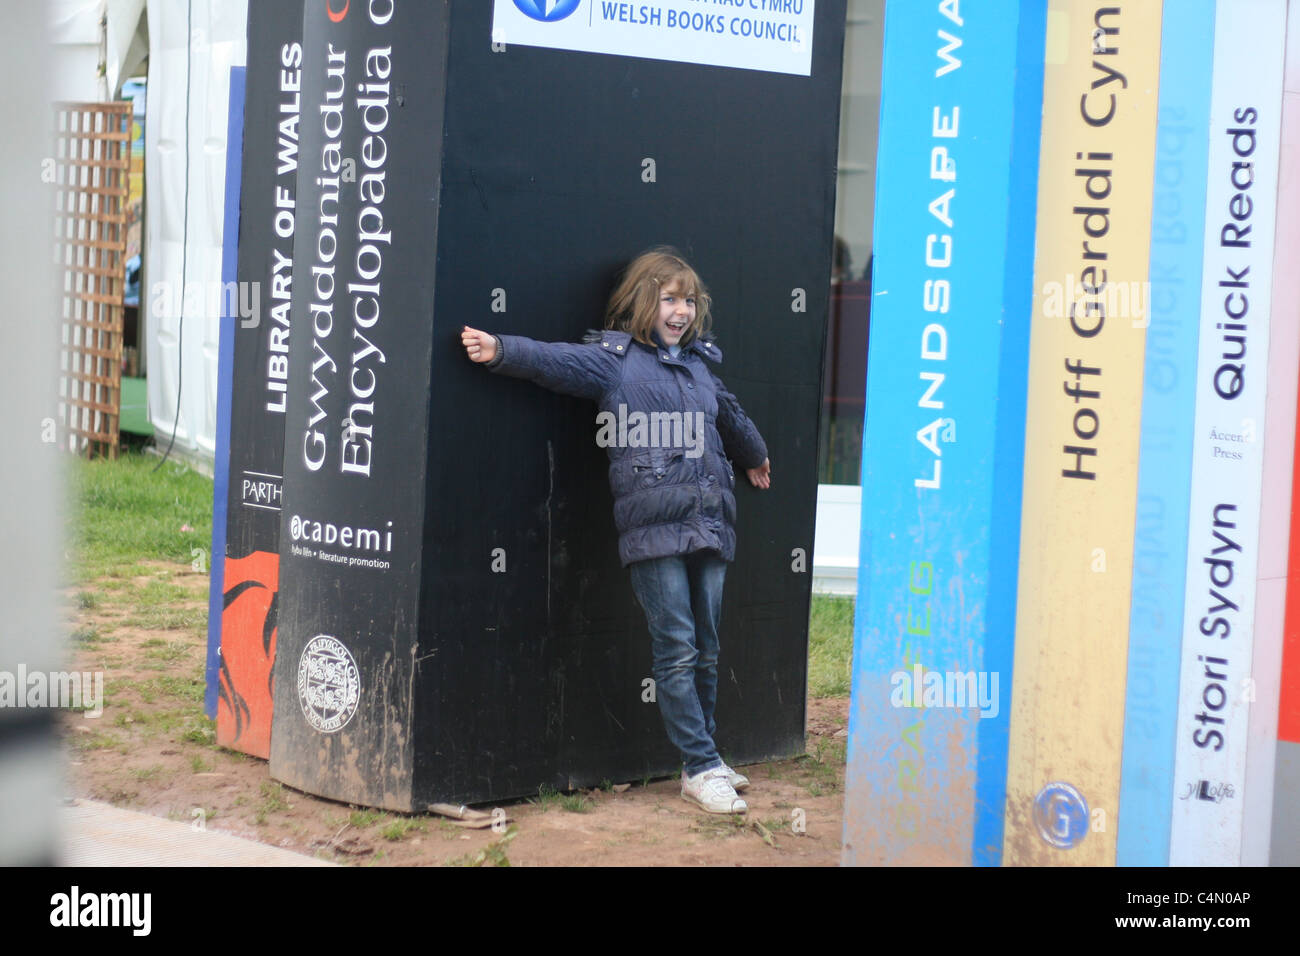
x,y
92,156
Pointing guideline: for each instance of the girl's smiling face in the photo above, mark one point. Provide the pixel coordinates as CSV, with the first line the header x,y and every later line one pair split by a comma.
x,y
676,314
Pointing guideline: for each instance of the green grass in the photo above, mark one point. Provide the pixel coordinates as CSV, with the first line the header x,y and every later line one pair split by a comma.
x,y
183,689
822,765
361,819
547,797
134,718
400,827
167,652
167,618
87,635
124,513
201,731
575,802
96,740
179,711
273,801
830,646
161,605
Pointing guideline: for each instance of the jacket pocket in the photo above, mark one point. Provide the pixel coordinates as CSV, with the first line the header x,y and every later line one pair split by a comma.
x,y
644,470
656,466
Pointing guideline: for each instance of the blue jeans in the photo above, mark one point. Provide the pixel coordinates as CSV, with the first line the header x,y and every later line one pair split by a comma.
x,y
682,599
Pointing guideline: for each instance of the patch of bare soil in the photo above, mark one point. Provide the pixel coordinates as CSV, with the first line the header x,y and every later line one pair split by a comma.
x,y
153,751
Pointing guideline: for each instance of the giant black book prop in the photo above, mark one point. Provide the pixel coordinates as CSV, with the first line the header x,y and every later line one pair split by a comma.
x,y
260,353
454,624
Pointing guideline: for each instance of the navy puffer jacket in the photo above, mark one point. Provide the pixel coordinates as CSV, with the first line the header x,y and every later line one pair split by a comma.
x,y
673,489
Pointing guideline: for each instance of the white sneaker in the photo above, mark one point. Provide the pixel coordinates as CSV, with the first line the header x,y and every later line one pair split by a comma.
x,y
738,781
712,792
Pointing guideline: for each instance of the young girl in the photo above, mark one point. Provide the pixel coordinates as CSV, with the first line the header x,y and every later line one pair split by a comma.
x,y
674,507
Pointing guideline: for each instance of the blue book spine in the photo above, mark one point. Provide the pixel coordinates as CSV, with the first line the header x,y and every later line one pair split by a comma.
x,y
955,196
1009,447
225,373
1165,463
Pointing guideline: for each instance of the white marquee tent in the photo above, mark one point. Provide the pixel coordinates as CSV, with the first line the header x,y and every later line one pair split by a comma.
x,y
190,46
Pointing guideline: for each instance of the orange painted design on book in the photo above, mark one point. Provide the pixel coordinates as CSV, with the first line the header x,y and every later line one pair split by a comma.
x,y
248,632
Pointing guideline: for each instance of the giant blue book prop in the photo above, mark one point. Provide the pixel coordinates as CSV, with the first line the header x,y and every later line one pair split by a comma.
x,y
943,445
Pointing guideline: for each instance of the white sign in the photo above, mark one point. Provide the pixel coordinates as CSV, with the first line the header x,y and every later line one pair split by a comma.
x,y
1227,453
771,35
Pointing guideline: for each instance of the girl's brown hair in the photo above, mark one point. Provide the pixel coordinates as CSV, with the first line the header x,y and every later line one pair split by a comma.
x,y
634,304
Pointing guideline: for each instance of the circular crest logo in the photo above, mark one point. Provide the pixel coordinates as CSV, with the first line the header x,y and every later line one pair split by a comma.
x,y
548,11
1061,814
329,684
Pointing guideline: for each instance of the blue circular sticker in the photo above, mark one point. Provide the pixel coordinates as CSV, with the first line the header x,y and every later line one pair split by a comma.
x,y
547,11
1061,815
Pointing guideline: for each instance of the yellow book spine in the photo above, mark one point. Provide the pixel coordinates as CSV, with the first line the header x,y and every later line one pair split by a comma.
x,y
1087,346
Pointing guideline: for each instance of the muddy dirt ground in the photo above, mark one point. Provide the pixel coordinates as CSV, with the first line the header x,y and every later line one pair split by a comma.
x,y
153,751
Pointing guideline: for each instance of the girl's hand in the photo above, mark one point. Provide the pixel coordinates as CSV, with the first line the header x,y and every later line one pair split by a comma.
x,y
760,477
480,346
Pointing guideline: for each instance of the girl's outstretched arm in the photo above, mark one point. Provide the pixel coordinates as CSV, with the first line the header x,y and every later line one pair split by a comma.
x,y
584,371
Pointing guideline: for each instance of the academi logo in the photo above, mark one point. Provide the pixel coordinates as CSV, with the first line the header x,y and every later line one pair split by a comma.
x,y
548,11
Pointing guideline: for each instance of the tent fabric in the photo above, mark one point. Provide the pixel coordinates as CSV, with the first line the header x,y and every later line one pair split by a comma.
x,y
128,43
209,46
72,27
182,317
74,21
